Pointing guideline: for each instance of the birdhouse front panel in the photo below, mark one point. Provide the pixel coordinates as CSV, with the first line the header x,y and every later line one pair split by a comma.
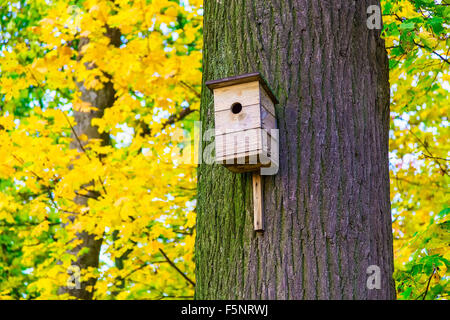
x,y
244,115
245,93
234,148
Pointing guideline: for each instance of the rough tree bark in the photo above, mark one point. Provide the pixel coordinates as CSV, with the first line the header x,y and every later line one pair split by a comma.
x,y
100,99
327,211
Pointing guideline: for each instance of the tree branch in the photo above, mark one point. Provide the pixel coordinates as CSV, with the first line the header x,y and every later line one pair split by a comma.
x,y
443,170
76,135
440,56
191,88
171,120
428,285
176,268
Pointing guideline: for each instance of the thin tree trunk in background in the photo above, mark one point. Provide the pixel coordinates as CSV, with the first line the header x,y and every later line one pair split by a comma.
x,y
327,211
100,99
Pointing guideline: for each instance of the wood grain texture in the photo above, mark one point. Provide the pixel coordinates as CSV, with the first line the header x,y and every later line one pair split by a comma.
x,y
239,142
246,157
258,204
242,78
228,122
251,117
266,101
244,93
327,211
248,161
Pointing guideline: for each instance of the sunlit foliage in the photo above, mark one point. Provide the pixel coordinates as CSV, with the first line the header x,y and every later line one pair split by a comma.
x,y
145,209
417,38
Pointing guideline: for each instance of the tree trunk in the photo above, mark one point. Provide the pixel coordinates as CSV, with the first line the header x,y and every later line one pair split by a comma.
x,y
327,211
100,99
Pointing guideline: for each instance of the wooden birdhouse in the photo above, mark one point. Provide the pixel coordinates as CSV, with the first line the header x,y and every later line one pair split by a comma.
x,y
244,109
244,113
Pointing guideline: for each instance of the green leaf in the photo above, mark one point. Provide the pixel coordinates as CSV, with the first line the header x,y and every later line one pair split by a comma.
x,y
407,26
436,25
407,293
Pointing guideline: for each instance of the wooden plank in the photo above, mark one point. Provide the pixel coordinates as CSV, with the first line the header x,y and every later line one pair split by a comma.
x,y
241,163
240,158
247,161
243,168
243,141
246,94
243,78
266,101
258,217
229,81
228,122
251,117
239,142
267,119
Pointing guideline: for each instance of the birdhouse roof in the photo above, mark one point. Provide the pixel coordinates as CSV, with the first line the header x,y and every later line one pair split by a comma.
x,y
243,78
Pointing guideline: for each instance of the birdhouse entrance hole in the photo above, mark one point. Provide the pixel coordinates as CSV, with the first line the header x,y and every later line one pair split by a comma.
x,y
236,107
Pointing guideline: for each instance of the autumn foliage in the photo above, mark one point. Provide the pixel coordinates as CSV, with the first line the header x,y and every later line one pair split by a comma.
x,y
144,208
